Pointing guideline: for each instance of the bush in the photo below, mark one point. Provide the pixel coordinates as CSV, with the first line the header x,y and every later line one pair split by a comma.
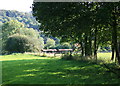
x,y
21,44
66,45
50,43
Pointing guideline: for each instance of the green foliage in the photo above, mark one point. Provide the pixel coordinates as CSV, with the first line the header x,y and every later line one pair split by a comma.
x,y
26,18
89,24
49,43
28,32
31,38
66,45
104,49
1,37
10,27
21,44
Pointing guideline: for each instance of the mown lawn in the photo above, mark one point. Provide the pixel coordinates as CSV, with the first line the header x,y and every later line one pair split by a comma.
x,y
30,69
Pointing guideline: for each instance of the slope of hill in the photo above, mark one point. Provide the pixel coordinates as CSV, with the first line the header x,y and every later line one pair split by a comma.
x,y
26,18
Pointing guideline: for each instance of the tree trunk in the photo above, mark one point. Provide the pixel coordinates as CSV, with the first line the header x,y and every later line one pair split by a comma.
x,y
90,45
86,46
119,47
95,45
115,35
112,58
82,48
116,45
113,49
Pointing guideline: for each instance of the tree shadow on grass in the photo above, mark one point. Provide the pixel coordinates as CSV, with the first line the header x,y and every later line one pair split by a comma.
x,y
55,71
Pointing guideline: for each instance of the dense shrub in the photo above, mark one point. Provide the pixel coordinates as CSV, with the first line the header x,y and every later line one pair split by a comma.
x,y
28,32
50,43
66,45
21,43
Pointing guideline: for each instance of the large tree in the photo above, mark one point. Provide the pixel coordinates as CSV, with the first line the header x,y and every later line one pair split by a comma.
x,y
65,20
14,27
10,27
81,22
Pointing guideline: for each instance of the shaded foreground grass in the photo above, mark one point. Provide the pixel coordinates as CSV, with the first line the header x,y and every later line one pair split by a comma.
x,y
54,71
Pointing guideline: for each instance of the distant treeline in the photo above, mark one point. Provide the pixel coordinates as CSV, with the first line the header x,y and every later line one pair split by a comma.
x,y
26,18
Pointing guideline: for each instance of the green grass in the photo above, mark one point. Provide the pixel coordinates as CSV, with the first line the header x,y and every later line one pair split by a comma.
x,y
30,69
19,57
104,56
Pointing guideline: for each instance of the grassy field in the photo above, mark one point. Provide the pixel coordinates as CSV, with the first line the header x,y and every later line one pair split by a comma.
x,y
31,69
104,56
19,57
101,56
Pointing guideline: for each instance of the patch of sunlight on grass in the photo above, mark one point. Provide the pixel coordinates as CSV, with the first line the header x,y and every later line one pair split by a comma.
x,y
25,75
32,70
20,57
29,63
57,73
84,77
76,75
74,68
64,76
104,56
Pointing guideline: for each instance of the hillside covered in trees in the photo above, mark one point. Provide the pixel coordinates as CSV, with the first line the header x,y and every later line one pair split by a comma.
x,y
26,18
14,25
